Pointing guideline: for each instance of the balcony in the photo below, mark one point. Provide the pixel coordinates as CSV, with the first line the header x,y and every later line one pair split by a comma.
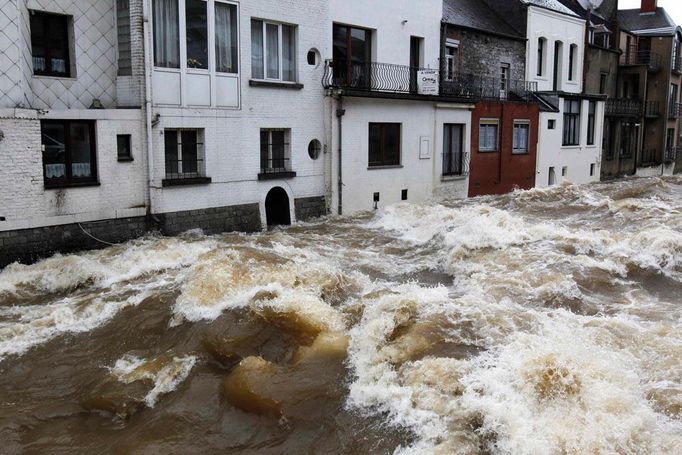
x,y
623,107
671,154
399,81
275,168
633,56
675,110
652,109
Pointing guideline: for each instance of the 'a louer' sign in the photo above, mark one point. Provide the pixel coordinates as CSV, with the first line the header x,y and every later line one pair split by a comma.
x,y
427,82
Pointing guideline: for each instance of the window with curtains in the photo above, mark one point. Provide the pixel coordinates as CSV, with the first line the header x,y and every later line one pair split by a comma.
x,y
226,60
487,135
50,44
166,34
273,51
196,33
591,122
453,138
68,153
571,134
521,136
384,144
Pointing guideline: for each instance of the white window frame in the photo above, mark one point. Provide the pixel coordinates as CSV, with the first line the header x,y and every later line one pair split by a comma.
x,y
287,146
201,153
518,151
496,147
280,51
450,59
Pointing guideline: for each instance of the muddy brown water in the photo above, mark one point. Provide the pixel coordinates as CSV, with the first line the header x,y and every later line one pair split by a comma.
x,y
546,321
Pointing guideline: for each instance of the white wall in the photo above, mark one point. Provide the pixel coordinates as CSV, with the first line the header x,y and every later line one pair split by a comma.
x,y
576,159
554,27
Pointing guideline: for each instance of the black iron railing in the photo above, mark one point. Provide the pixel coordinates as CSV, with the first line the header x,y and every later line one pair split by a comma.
x,y
184,169
670,154
652,109
374,77
634,56
650,156
675,110
274,165
677,64
623,107
455,164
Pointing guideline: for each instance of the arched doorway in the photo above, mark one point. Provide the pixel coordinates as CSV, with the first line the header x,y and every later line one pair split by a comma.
x,y
277,207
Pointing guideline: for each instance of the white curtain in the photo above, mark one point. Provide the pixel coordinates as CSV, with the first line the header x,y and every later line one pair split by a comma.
x,y
257,70
166,34
224,38
520,138
288,53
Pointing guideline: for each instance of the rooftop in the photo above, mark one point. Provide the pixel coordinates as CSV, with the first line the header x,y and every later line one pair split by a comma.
x,y
650,24
477,15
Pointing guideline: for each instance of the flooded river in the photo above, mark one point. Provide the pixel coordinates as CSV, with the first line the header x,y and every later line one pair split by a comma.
x,y
547,321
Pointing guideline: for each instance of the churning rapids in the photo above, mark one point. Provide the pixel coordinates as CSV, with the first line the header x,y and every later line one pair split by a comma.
x,y
545,321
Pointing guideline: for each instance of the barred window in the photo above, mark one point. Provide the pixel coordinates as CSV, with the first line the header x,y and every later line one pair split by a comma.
x,y
184,149
274,150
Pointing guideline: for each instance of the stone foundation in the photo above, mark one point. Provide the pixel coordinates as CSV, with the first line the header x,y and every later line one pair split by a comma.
x,y
310,207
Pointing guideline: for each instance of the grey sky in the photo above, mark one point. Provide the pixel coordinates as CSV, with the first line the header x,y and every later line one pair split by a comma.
x,y
673,7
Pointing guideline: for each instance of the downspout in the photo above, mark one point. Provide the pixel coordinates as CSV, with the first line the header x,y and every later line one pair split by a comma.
x,y
148,101
340,112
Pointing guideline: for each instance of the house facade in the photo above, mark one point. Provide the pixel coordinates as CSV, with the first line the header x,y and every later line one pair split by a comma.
x,y
651,71
504,137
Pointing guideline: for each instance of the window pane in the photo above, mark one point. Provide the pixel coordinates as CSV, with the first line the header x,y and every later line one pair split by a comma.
x,y
288,53
340,52
257,50
59,45
197,34
170,138
225,38
392,144
272,43
278,149
375,156
81,150
360,45
166,34
264,149
54,150
189,152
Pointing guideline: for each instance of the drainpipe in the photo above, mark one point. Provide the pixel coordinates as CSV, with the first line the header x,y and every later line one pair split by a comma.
x,y
340,112
148,51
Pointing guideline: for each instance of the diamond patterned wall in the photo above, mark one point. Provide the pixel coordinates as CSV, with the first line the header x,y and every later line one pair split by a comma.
x,y
11,90
94,50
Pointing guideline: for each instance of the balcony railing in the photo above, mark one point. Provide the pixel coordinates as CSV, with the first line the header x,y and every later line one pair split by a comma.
x,y
634,56
373,77
652,109
623,107
670,154
675,110
275,168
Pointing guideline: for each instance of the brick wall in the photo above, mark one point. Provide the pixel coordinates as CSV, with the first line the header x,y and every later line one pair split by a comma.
x,y
500,172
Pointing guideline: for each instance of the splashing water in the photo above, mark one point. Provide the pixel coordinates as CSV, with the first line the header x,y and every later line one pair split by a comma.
x,y
544,321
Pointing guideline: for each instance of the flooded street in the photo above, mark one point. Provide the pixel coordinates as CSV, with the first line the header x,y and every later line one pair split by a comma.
x,y
547,321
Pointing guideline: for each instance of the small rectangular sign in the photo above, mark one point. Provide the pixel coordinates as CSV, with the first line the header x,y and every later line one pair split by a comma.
x,y
427,82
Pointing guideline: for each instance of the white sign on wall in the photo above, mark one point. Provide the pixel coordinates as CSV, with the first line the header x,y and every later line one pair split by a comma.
x,y
424,148
427,82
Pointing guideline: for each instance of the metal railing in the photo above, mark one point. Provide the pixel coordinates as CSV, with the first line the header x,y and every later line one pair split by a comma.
x,y
274,165
455,164
650,156
670,154
677,64
675,110
400,79
634,56
184,169
623,107
652,109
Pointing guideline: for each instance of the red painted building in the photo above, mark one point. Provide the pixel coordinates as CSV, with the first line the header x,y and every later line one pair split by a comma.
x,y
503,147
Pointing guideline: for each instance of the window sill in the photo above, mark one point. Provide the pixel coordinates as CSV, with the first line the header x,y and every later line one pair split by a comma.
x,y
571,147
186,181
276,175
275,84
520,153
452,178
59,186
125,159
390,166
488,151
61,78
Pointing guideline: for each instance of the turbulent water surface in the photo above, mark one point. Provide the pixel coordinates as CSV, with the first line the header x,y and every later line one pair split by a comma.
x,y
546,321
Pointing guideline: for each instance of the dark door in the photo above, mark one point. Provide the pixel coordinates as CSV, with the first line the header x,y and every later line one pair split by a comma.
x,y
352,56
415,59
277,208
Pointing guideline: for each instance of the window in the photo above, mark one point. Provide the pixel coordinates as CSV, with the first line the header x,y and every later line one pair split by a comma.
x,y
551,176
50,44
670,139
384,144
196,33
592,168
592,107
352,55
542,44
564,171
451,60
603,80
505,70
521,138
673,100
123,28
166,34
453,162
551,124
68,152
274,150
572,67
123,147
403,195
311,58
226,60
602,40
487,136
314,149
184,153
273,49
571,122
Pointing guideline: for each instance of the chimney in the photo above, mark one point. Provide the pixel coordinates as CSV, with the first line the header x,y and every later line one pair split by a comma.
x,y
648,6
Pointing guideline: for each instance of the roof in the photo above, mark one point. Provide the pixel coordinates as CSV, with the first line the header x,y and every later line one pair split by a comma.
x,y
477,15
649,24
554,5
